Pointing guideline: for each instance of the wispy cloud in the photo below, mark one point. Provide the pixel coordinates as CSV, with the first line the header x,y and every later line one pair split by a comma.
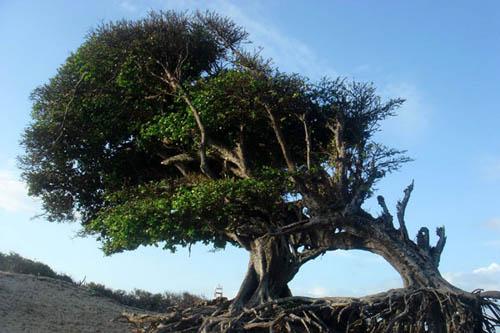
x,y
13,194
487,277
414,116
490,168
493,224
318,292
491,269
128,6
288,53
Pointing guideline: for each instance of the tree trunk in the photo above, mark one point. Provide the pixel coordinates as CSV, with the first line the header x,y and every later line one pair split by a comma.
x,y
415,265
416,262
271,266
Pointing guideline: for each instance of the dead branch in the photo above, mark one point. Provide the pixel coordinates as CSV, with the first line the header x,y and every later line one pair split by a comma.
x,y
401,207
386,215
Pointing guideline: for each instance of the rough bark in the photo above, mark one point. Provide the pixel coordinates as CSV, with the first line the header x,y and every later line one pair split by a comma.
x,y
417,265
271,266
416,262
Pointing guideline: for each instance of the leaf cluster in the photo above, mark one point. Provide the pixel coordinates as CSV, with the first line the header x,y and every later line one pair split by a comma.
x,y
183,214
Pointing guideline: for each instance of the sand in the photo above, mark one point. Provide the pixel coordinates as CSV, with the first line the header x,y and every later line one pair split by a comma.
x,y
34,304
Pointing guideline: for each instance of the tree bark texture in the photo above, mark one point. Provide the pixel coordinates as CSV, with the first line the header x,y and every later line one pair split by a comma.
x,y
271,266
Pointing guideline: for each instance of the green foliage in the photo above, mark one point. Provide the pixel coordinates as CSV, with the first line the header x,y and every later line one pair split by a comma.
x,y
185,214
14,263
83,140
115,138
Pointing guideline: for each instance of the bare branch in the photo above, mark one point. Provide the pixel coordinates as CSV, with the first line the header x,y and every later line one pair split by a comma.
x,y
177,158
340,174
401,207
339,241
360,193
308,141
301,225
240,152
438,249
235,157
423,239
386,215
172,81
281,139
238,239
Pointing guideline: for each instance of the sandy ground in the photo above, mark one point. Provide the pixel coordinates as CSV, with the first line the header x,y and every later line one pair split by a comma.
x,y
42,305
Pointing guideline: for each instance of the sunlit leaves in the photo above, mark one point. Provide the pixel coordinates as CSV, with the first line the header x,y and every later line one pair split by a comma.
x,y
184,214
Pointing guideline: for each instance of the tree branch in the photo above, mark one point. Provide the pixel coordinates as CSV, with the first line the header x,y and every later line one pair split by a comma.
x,y
361,193
177,158
66,109
308,141
176,86
240,152
238,239
386,215
236,158
423,240
339,241
401,207
281,139
341,171
438,249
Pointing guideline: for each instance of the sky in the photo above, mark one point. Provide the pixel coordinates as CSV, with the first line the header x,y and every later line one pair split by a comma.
x,y
442,57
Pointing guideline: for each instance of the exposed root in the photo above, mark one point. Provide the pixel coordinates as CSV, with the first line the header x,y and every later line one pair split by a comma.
x,y
176,319
399,310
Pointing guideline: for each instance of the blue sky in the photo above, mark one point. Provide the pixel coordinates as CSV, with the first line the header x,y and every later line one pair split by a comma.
x,y
441,56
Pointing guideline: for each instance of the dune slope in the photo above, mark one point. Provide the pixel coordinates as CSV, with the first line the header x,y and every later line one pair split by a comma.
x,y
42,305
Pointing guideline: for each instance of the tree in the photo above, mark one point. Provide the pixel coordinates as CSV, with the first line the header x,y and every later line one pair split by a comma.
x,y
165,131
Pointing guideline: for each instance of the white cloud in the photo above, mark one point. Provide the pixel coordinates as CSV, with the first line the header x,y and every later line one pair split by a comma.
x,y
288,53
491,269
487,278
128,6
318,292
494,224
13,194
413,118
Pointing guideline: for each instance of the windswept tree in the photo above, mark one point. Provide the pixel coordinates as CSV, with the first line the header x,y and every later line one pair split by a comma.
x,y
165,131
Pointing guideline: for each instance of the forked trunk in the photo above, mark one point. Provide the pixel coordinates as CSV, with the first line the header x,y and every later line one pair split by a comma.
x,y
271,267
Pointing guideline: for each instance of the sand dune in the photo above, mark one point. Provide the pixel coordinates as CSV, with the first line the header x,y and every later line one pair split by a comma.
x,y
42,305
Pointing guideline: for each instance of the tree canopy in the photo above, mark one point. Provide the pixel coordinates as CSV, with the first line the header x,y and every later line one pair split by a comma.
x,y
163,131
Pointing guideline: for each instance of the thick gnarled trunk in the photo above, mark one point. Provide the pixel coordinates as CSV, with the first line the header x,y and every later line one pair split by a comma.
x,y
416,262
271,266
416,265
